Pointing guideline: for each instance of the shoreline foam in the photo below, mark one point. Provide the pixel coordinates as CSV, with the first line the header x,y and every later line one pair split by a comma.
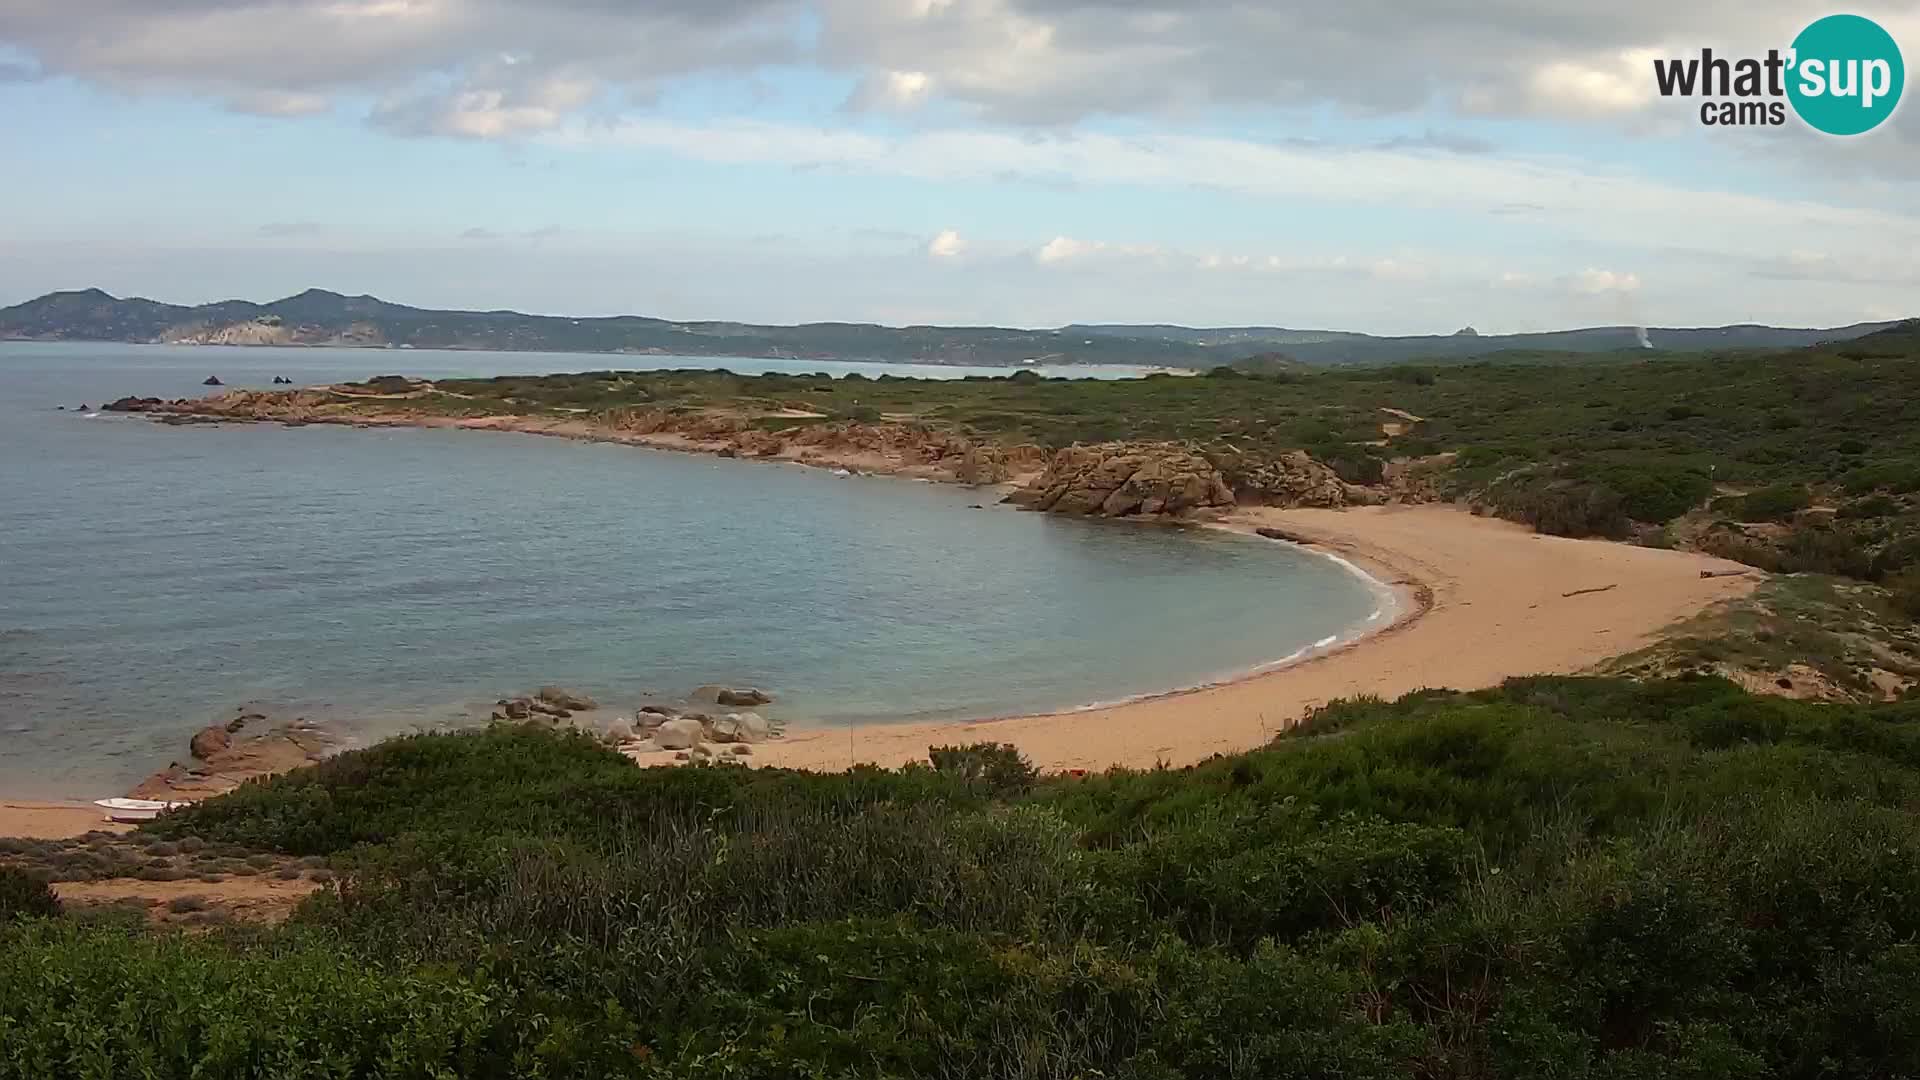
x,y
1475,584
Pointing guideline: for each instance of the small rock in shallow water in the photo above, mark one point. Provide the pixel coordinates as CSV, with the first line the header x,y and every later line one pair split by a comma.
x,y
742,697
212,380
566,699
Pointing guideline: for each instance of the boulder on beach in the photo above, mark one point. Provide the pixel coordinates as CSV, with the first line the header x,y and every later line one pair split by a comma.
x,y
209,741
620,731
566,699
747,727
681,734
516,709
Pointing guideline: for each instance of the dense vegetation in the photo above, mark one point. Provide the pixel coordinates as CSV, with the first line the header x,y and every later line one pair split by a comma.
x,y
1732,449
1562,877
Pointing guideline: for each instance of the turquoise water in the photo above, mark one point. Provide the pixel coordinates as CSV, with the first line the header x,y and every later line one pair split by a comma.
x,y
153,577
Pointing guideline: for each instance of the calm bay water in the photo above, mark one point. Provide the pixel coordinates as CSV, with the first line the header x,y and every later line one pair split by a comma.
x,y
153,577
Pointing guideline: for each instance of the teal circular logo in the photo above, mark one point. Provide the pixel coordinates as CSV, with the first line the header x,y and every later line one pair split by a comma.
x,y
1846,76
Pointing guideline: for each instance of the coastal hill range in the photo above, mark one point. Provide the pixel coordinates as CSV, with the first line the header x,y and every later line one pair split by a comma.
x,y
319,317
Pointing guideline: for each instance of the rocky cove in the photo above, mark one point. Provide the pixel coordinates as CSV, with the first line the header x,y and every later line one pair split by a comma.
x,y
359,554
1116,479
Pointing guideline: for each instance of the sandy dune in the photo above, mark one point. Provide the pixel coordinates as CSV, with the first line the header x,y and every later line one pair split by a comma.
x,y
1497,609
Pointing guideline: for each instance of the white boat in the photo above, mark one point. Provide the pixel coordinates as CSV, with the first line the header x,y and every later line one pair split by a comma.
x,y
134,809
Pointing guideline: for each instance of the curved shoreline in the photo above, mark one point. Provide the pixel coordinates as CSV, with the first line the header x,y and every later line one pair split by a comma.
x,y
1438,561
1404,602
1475,584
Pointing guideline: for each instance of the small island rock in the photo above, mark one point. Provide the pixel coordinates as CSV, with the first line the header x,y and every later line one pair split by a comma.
x,y
566,699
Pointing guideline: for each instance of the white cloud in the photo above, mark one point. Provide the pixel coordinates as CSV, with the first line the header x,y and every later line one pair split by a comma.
x,y
536,105
1062,248
1066,249
1028,61
894,90
947,244
1619,83
279,103
1592,282
1563,199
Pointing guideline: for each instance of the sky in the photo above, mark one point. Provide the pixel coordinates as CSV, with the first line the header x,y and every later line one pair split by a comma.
x,y
1389,166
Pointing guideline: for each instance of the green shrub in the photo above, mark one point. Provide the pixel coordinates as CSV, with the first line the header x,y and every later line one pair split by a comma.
x,y
1903,589
1873,506
994,768
1778,502
1559,876
25,896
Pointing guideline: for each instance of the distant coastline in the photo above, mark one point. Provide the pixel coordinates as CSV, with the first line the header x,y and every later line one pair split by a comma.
x,y
320,317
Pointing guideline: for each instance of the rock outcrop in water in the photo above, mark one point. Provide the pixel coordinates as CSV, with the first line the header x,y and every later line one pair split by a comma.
x,y
223,756
566,699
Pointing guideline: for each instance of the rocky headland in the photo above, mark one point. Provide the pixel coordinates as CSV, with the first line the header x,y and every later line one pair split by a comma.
x,y
1118,479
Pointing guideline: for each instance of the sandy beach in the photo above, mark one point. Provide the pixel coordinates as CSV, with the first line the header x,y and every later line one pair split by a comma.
x,y
52,820
1494,606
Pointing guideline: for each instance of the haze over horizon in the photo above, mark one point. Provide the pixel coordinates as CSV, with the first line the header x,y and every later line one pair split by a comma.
x,y
1383,167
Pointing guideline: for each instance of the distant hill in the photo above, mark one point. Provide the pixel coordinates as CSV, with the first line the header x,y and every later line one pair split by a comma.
x,y
1323,347
318,317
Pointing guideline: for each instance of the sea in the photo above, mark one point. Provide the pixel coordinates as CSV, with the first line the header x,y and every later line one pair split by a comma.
x,y
154,578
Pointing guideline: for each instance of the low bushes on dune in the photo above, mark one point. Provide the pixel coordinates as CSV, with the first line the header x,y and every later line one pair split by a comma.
x,y
1564,876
